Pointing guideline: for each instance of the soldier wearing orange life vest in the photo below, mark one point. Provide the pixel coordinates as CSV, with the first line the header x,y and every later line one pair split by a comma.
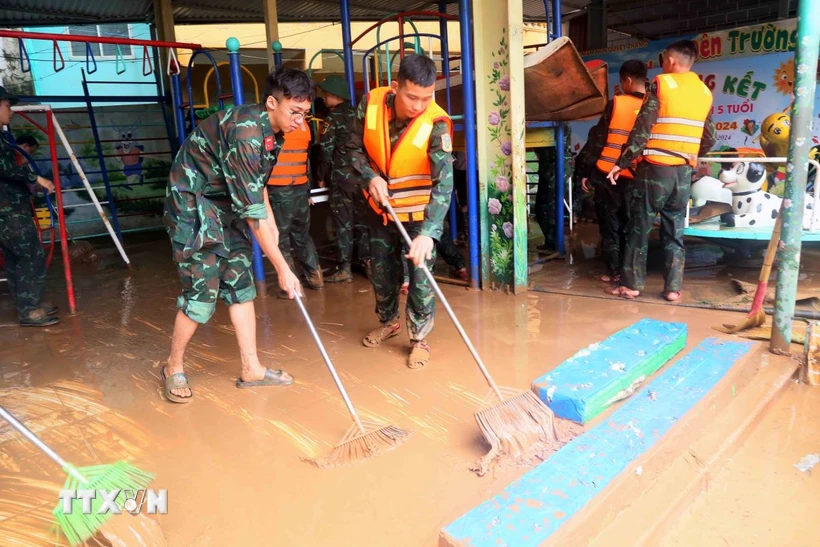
x,y
401,149
598,156
673,129
289,194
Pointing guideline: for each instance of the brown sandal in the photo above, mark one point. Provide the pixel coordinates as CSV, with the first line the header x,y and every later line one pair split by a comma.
x,y
419,355
377,337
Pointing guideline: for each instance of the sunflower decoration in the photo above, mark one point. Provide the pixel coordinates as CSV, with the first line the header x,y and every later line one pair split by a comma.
x,y
784,77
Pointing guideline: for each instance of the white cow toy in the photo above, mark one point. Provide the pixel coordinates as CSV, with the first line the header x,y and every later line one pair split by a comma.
x,y
709,189
750,206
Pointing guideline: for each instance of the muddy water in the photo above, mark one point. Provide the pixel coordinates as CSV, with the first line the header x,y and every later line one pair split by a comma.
x,y
760,498
231,459
708,279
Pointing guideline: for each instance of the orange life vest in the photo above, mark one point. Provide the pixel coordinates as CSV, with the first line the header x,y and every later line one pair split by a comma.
x,y
291,165
685,105
625,110
406,166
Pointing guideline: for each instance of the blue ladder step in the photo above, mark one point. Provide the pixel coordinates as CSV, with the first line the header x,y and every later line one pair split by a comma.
x,y
593,379
532,508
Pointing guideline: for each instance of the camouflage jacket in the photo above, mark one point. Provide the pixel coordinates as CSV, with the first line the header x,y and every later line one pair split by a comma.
x,y
218,177
441,165
634,147
14,181
589,154
334,161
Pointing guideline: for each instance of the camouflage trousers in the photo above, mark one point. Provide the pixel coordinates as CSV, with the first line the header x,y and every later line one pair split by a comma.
x,y
449,252
656,189
612,209
387,254
25,259
349,228
291,209
206,276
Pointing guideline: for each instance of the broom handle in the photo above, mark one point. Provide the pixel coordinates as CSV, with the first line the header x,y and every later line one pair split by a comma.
x,y
329,364
447,307
771,250
28,434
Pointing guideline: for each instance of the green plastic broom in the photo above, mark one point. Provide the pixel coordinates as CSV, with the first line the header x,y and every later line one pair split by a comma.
x,y
122,476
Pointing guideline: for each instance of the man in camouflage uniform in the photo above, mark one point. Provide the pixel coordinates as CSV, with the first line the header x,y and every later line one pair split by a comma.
x,y
22,250
663,189
611,201
545,197
410,97
345,195
217,197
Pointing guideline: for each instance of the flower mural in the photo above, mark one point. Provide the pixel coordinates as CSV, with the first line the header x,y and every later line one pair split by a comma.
x,y
500,203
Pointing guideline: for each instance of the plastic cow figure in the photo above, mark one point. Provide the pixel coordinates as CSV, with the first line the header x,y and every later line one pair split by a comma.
x,y
750,206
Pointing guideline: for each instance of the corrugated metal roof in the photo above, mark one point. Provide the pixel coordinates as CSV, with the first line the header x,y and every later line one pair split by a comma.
x,y
25,13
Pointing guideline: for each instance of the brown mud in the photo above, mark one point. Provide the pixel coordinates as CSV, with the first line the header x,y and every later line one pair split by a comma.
x,y
231,459
715,276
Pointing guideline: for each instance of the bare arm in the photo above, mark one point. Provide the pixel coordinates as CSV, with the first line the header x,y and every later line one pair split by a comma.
x,y
268,241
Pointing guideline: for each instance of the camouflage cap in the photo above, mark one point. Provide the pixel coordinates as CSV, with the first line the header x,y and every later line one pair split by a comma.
x,y
8,96
337,86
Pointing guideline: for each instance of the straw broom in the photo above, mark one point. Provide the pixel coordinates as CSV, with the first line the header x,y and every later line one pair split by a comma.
x,y
76,526
364,439
757,315
518,425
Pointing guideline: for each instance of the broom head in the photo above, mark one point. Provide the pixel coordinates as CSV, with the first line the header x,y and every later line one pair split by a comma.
x,y
122,476
357,446
517,429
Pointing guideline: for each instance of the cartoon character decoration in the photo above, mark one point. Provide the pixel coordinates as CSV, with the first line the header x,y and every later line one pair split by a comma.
x,y
130,154
784,78
814,154
752,207
774,140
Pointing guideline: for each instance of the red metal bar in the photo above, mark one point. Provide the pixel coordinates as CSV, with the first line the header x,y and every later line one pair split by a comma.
x,y
32,122
55,169
5,33
434,14
401,40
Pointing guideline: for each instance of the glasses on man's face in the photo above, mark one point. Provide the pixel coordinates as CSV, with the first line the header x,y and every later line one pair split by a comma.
x,y
297,117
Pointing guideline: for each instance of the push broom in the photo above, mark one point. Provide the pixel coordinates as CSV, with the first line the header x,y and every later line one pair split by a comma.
x,y
518,426
757,315
77,526
364,439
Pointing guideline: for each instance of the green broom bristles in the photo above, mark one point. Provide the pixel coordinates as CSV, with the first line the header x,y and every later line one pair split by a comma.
x,y
79,527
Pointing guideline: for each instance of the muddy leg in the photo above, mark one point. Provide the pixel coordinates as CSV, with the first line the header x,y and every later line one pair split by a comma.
x,y
184,329
243,318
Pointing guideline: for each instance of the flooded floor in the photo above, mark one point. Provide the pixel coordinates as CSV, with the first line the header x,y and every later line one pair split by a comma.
x,y
715,276
231,460
760,498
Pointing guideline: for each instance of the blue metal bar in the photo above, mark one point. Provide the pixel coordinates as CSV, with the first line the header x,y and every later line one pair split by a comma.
x,y
344,6
179,115
239,99
465,23
101,158
191,84
559,148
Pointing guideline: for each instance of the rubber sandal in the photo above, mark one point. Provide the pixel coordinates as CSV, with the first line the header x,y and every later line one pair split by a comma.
x,y
176,381
419,355
38,318
377,337
272,378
